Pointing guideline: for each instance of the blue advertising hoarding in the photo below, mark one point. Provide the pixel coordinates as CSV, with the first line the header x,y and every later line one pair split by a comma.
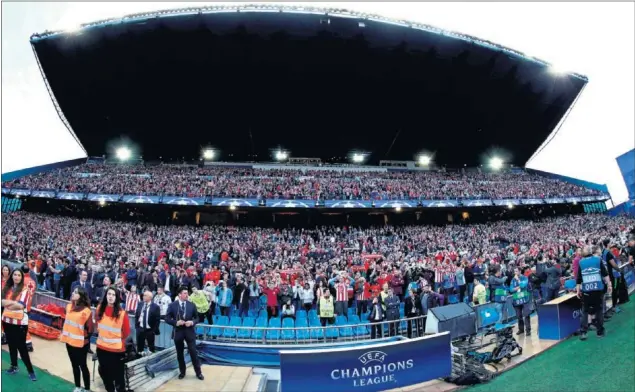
x,y
376,367
21,192
476,203
348,204
227,202
531,201
141,199
560,318
183,201
555,200
281,203
507,202
103,197
70,196
439,203
6,191
396,203
43,194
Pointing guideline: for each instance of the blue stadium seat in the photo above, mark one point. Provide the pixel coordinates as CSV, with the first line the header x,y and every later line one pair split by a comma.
x,y
302,334
313,314
300,314
246,333
402,313
217,311
353,319
288,334
252,313
364,316
231,332
261,322
221,321
317,333
348,331
569,284
215,318
201,331
351,311
234,311
361,329
274,332
402,305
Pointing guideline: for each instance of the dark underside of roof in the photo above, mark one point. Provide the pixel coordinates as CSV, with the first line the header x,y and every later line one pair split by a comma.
x,y
318,86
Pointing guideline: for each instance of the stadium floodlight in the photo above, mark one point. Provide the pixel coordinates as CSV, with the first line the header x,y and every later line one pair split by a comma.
x,y
496,163
424,160
398,208
208,154
358,158
124,153
510,205
282,155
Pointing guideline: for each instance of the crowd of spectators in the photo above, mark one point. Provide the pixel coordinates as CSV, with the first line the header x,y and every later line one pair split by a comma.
x,y
294,265
293,183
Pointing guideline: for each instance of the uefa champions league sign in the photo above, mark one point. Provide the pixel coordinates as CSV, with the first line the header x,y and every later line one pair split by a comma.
x,y
376,367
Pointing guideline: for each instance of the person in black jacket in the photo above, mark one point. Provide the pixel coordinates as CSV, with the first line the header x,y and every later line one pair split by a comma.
x,y
182,315
376,316
392,312
413,308
147,321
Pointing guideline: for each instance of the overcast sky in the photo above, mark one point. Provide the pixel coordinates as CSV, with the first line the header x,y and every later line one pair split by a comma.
x,y
595,39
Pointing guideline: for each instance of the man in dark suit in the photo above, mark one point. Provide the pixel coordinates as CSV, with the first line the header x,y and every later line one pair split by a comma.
x,y
182,315
147,320
83,282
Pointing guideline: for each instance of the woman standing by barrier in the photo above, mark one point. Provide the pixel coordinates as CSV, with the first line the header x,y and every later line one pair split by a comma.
x,y
113,328
78,326
15,321
6,273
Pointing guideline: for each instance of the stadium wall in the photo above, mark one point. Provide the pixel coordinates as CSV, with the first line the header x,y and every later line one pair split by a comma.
x,y
587,184
39,169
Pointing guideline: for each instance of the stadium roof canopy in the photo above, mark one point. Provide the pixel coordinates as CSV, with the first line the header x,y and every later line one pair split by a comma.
x,y
248,80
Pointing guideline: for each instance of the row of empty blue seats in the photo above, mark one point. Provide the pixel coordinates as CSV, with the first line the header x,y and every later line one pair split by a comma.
x,y
300,313
352,326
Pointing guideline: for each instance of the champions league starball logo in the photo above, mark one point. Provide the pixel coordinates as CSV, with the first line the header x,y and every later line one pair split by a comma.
x,y
347,204
182,201
140,200
103,198
375,369
71,196
395,204
290,204
234,202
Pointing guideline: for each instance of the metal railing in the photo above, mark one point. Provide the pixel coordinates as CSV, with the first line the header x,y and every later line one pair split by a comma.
x,y
362,331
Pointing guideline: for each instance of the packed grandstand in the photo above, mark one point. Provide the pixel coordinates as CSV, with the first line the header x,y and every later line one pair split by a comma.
x,y
288,182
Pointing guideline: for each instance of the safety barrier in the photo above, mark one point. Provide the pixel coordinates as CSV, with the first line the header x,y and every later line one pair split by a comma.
x,y
350,332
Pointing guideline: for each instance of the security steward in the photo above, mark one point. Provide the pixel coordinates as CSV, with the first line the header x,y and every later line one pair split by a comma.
x,y
520,289
78,326
113,327
592,278
326,308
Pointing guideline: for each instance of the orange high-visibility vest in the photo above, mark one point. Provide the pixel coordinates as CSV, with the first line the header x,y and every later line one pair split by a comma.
x,y
14,316
110,335
73,332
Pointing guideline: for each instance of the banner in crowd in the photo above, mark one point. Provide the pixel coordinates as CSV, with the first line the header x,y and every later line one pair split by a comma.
x,y
43,194
70,196
370,368
183,201
103,197
141,199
